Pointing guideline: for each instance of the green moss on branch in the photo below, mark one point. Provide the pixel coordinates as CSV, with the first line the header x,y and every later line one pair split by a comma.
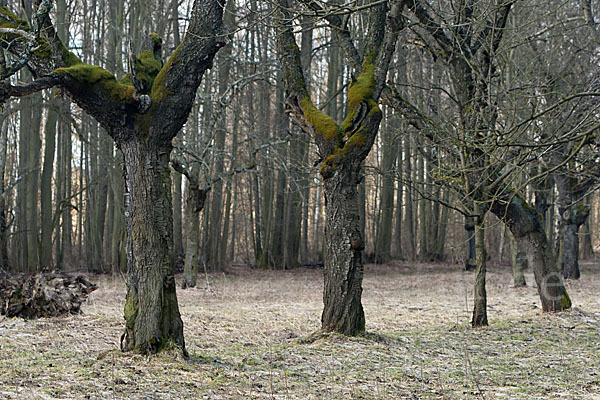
x,y
8,19
147,68
361,91
98,78
156,39
159,88
333,162
323,124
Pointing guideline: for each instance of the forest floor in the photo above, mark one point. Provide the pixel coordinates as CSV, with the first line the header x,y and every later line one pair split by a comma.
x,y
245,331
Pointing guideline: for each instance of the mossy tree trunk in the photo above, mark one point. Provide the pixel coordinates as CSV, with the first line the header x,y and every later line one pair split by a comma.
x,y
343,148
480,301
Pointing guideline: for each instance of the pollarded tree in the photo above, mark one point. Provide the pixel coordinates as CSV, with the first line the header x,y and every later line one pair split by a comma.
x,y
142,114
343,148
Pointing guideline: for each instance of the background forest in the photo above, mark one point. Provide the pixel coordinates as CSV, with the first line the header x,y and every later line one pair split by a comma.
x,y
63,198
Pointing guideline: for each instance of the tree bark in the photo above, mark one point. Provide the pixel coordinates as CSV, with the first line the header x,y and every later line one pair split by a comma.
x,y
572,216
151,311
118,240
343,311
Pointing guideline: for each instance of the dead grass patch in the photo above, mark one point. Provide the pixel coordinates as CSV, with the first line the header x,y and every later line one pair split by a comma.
x,y
244,331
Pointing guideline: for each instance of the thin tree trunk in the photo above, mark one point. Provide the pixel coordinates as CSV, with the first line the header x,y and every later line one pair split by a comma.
x,y
470,262
33,182
399,193
383,241
518,262
118,254
21,242
570,251
178,249
442,228
192,246
278,227
412,252
46,188
3,208
480,303
587,250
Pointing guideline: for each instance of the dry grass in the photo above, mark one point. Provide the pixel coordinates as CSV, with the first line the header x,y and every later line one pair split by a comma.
x,y
244,332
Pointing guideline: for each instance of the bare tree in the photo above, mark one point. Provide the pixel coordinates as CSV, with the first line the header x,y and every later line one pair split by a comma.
x,y
142,116
343,149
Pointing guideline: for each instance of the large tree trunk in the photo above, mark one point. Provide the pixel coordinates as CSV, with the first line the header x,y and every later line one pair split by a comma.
x,y
151,310
343,311
528,230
